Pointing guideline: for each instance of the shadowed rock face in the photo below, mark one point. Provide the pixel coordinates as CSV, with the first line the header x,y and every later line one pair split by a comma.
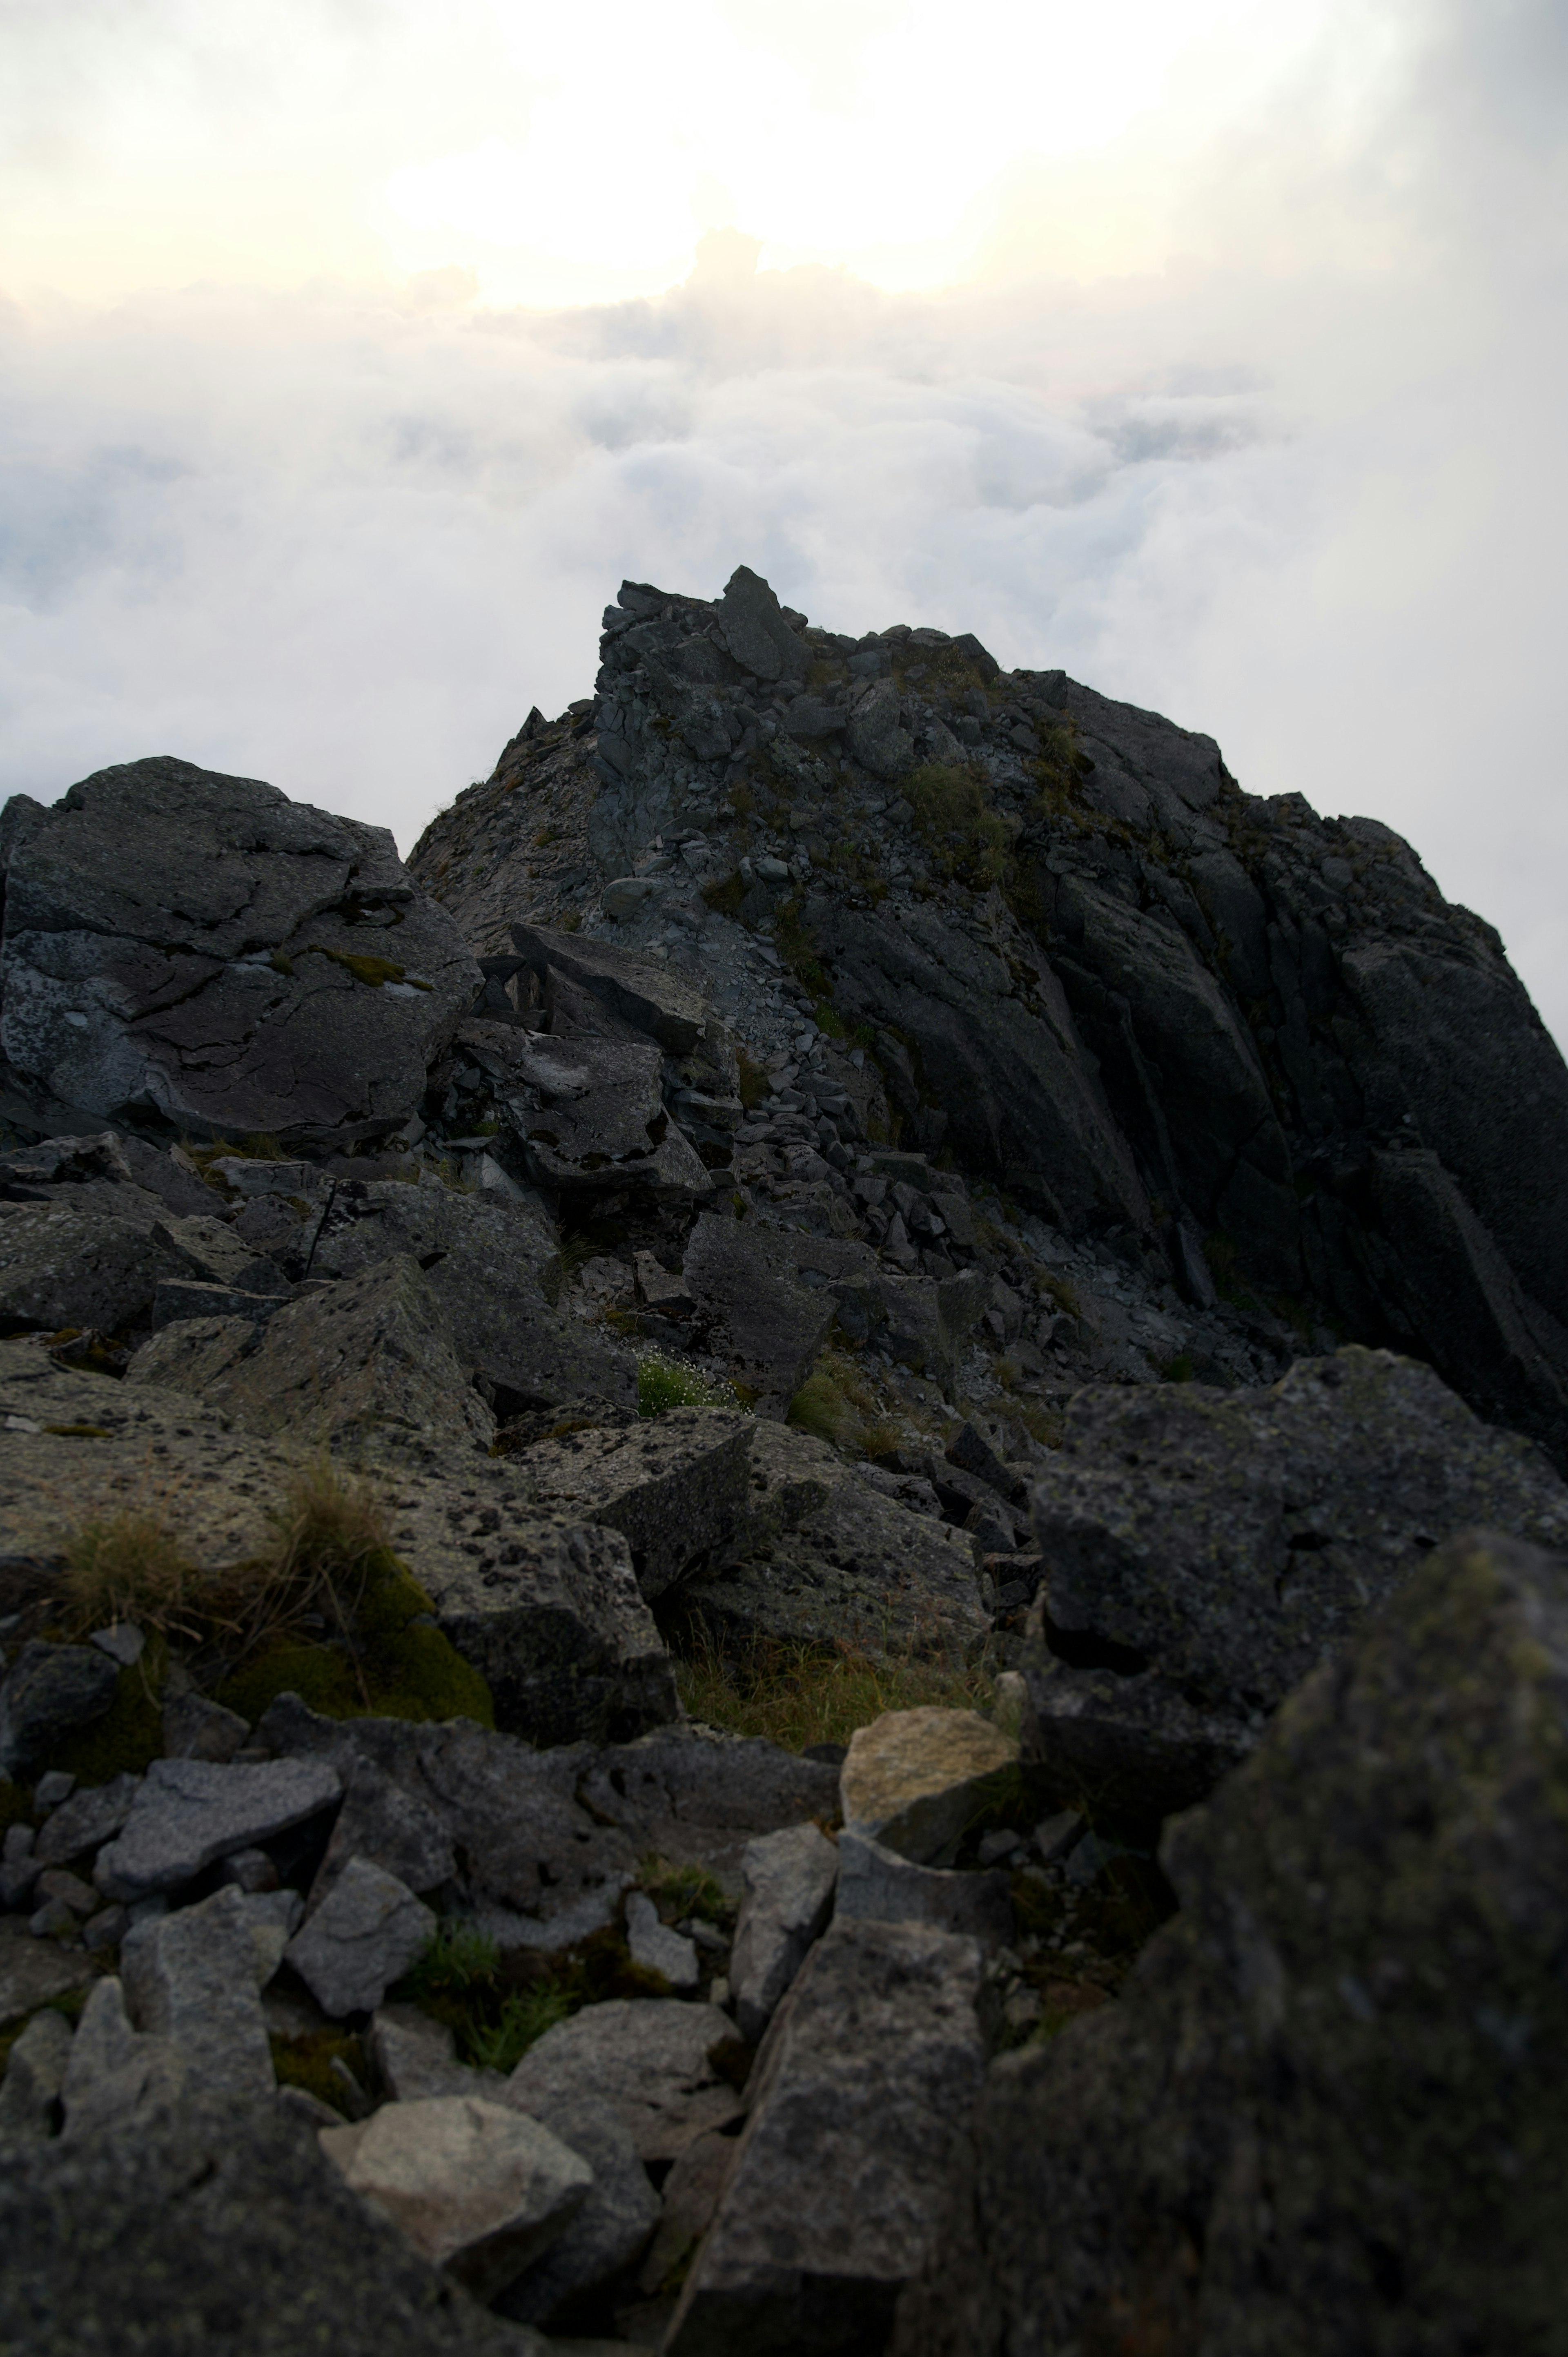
x,y
197,947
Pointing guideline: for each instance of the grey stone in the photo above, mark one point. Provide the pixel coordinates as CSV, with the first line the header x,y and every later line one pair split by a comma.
x,y
878,736
217,2227
190,1978
190,1812
790,1879
72,1262
698,1802
364,1935
675,1486
588,1115
50,1790
35,2074
113,2075
692,2194
1292,2030
916,1781
841,2177
606,2236
196,1728
656,1948
416,2056
53,1920
649,2058
878,1885
189,943
122,1640
217,1255
756,632
1186,1594
271,1917
476,2190
105,1930
180,1298
56,1882
384,1825
34,1972
641,994
86,1820
767,1327
47,1693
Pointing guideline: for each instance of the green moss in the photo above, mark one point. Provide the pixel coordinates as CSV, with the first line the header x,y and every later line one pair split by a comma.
x,y
681,1890
496,2005
403,1668
819,1407
828,1020
374,971
307,2061
1179,1369
130,1735
663,1383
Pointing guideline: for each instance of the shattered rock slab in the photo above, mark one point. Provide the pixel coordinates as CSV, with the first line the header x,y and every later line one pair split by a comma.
x,y
189,1813
645,996
675,1486
367,1932
75,1264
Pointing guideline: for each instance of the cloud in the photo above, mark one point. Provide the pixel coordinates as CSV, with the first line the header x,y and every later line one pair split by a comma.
x,y
1296,478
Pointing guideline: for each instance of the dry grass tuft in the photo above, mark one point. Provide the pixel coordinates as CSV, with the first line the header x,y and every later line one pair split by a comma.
x,y
797,1695
129,1565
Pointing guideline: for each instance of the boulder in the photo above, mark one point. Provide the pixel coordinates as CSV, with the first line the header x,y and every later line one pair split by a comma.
x,y
81,1263
87,1819
1327,2111
880,1886
198,948
36,1972
384,1823
47,1693
790,1879
916,1781
1204,1549
604,2237
187,1814
477,2191
878,736
755,631
217,2227
651,2058
588,1115
113,2075
858,2121
637,992
675,1486
697,1800
366,1932
754,1313
190,1978
197,1728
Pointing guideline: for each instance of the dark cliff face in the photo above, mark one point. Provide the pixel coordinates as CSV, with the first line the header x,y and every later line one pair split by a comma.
x,y
1215,1028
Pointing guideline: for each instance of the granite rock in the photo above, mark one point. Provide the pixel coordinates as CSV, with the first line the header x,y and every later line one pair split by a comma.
x,y
603,2238
880,1885
916,1781
48,1692
187,1814
190,1978
789,1880
649,2058
364,1935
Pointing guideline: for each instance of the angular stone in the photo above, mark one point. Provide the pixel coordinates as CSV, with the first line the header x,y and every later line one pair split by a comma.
x,y
115,2076
789,1877
217,2226
645,996
75,1264
364,1935
477,2190
916,1781
196,1728
1187,1591
191,942
877,1885
1314,2022
46,1693
756,632
753,1313
216,1256
606,2234
656,1947
180,1298
692,2194
588,1114
417,2057
877,737
843,2176
384,1825
647,2057
190,1812
34,1972
675,1486
190,1978
35,2074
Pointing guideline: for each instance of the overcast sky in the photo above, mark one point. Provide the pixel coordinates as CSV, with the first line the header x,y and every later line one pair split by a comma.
x,y
351,353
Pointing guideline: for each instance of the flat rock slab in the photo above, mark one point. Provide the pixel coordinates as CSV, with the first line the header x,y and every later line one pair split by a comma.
x,y
195,942
916,1779
1209,1547
645,996
191,1977
696,1801
877,1885
33,1972
190,1812
649,2058
476,2189
216,2227
753,1311
843,2173
588,1114
365,1934
789,1877
675,1486
1287,2028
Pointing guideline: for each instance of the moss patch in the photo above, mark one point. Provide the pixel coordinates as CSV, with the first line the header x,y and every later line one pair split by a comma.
x,y
663,1383
497,2005
394,1663
307,2061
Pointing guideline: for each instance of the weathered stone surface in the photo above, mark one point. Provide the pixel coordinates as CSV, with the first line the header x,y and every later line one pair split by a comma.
x,y
190,1812
476,2190
33,1972
675,1486
190,1978
112,2074
216,2227
656,1948
822,1556
698,1802
588,1114
197,1728
75,1263
195,945
649,2058
552,1616
382,1824
916,1781
47,1692
858,2117
604,2237
691,2193
363,1936
878,1885
644,996
769,1326
1325,2113
755,631
35,2074
1187,1591
417,2057
877,737
789,1877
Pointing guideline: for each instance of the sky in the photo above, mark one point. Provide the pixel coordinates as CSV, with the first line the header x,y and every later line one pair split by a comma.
x,y
351,352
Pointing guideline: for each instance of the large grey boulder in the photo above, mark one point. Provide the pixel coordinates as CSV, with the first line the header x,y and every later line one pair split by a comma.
x,y
187,1814
635,991
858,2120
755,631
1205,1549
1325,2113
588,1114
197,947
217,2226
651,2059
83,1258
789,1877
675,1486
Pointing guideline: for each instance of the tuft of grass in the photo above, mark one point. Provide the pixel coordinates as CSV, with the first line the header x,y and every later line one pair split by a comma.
x,y
458,1957
679,1890
950,802
837,1404
128,1565
820,1408
754,1082
725,897
800,1694
497,2005
664,1382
